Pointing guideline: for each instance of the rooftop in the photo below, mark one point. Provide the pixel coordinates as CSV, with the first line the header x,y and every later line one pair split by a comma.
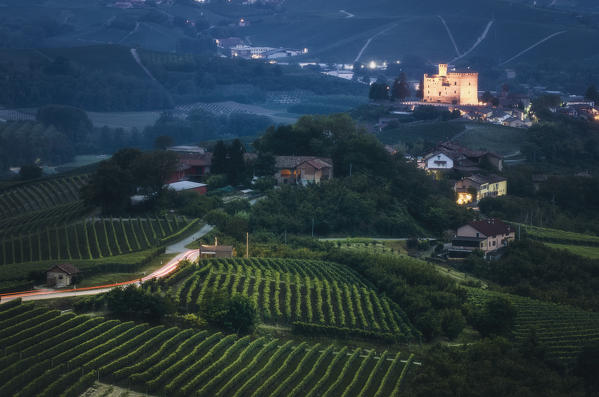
x,y
65,268
491,227
185,185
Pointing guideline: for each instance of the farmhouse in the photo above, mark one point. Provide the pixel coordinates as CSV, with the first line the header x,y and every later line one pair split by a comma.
x,y
61,275
194,162
488,235
476,187
450,156
302,169
451,87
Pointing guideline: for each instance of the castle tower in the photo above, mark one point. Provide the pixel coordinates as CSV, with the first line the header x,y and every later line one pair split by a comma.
x,y
442,69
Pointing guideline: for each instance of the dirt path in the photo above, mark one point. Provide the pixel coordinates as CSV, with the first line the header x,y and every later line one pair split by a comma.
x,y
476,43
135,56
370,40
538,43
450,35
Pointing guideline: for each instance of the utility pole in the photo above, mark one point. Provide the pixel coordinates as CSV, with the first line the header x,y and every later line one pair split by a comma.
x,y
247,244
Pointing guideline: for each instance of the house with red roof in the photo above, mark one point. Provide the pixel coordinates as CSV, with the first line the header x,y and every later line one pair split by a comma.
x,y
302,170
487,235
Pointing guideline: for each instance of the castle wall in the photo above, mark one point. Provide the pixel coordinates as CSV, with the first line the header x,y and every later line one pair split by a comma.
x,y
455,88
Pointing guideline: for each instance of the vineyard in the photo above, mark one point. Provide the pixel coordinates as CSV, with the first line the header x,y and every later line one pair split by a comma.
x,y
91,239
45,353
563,330
28,207
314,296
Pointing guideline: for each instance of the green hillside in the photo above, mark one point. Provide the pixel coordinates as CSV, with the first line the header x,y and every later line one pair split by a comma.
x,y
47,353
562,330
317,296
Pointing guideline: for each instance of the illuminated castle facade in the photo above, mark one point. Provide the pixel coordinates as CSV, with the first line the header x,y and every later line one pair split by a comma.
x,y
455,88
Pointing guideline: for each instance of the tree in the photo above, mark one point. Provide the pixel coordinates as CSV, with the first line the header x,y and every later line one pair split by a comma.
x,y
236,164
153,169
162,142
30,171
496,317
241,314
401,89
592,94
110,187
68,119
237,313
420,90
219,158
379,91
264,164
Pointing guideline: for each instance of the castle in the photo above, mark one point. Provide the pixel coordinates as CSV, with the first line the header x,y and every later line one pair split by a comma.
x,y
455,88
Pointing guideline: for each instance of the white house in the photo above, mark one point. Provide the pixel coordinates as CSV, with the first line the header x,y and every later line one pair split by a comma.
x,y
438,161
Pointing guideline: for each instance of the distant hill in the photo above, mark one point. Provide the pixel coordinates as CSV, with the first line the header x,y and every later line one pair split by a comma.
x,y
488,35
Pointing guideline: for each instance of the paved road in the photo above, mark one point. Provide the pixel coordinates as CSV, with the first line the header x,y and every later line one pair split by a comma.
x,y
164,271
180,245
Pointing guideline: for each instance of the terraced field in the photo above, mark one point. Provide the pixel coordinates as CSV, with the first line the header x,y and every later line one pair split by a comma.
x,y
562,329
312,295
91,238
28,207
45,353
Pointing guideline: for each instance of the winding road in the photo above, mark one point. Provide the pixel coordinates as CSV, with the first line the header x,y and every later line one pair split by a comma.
x,y
163,271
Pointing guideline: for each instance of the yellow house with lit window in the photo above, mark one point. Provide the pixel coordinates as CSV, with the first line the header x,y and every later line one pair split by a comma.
x,y
474,188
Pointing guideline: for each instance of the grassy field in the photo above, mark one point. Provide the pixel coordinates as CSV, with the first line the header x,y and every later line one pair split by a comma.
x,y
589,252
496,138
106,278
127,120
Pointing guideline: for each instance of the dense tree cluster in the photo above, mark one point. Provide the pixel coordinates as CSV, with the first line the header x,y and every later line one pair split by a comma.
x,y
385,195
532,269
66,82
129,172
237,313
490,368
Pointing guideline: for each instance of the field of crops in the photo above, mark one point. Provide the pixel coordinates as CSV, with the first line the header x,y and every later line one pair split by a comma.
x,y
45,353
92,238
24,208
309,294
563,330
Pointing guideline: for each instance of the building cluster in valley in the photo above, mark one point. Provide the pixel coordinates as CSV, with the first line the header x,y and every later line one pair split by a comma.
x,y
473,169
236,47
195,162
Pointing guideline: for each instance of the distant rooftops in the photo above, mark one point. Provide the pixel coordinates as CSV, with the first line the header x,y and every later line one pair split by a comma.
x,y
187,149
491,227
482,179
185,185
290,162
